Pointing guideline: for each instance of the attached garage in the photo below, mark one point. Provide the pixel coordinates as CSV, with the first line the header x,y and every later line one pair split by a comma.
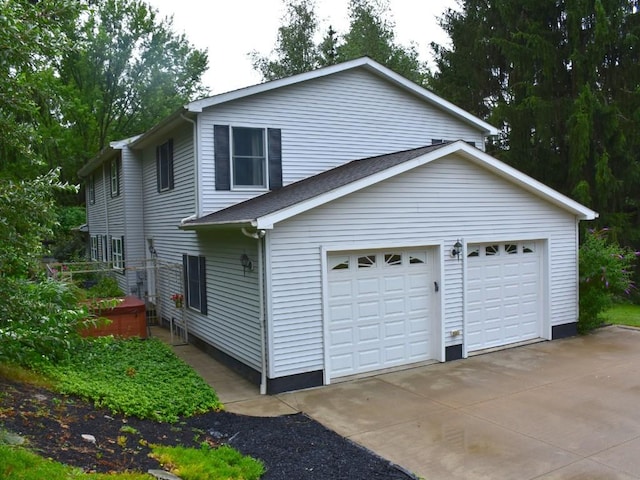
x,y
379,309
504,295
404,258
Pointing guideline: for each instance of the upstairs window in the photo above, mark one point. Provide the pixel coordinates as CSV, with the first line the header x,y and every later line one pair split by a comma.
x,y
91,188
115,177
164,166
249,159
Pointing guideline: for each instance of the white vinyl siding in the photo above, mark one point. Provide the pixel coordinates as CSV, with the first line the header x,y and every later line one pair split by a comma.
x,y
327,122
446,200
163,211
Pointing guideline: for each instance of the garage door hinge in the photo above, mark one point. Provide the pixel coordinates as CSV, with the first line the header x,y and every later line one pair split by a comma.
x,y
435,286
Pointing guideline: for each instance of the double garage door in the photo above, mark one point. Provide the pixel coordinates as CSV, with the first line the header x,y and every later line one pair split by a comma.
x,y
379,309
380,303
503,294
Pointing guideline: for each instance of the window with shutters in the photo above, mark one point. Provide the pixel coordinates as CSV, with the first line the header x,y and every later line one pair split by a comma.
x,y
164,166
115,177
195,282
248,157
91,189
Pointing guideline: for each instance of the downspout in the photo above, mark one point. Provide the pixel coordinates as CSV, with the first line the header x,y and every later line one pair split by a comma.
x,y
259,235
196,165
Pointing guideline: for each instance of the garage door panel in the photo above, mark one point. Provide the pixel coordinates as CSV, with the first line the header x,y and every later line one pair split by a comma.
x,y
503,299
388,305
368,310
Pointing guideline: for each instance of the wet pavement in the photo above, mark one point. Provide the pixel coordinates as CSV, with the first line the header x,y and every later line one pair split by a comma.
x,y
565,409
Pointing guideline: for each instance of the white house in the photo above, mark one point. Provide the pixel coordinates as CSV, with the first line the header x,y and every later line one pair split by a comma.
x,y
338,222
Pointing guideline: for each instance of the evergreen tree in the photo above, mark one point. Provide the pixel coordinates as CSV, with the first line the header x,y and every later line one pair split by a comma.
x,y
561,79
370,34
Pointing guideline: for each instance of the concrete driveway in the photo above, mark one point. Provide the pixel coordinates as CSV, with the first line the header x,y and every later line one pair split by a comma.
x,y
567,409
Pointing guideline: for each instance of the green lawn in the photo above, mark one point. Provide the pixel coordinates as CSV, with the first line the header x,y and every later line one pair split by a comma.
x,y
623,314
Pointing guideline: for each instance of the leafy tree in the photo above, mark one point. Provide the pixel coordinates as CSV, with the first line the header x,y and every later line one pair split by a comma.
x,y
295,50
31,40
370,34
561,79
128,70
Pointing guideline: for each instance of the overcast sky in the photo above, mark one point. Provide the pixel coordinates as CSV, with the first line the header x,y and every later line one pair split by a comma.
x,y
230,29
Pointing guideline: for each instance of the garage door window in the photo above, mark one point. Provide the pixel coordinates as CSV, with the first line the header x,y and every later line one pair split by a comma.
x,y
367,261
393,259
491,250
528,248
417,258
511,249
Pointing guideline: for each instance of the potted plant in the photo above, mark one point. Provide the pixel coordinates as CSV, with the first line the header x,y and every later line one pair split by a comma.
x,y
178,299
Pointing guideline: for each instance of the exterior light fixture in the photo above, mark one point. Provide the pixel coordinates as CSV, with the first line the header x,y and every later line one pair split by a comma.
x,y
456,250
246,263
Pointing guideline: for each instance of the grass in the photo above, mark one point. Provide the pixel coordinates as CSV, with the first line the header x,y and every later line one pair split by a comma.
x,y
207,463
141,378
623,314
17,463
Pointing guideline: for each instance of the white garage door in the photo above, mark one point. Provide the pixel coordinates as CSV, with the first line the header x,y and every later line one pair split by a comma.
x,y
503,294
379,309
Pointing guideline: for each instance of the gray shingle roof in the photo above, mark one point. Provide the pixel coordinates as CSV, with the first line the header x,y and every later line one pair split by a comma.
x,y
308,188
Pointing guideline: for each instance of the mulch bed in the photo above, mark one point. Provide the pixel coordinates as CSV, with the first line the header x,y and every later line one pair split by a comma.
x,y
291,446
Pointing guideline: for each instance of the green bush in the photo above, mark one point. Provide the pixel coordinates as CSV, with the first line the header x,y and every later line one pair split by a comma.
x,y
606,271
39,321
107,287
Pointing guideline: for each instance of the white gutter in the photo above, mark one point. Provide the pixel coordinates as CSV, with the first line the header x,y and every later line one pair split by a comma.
x,y
259,235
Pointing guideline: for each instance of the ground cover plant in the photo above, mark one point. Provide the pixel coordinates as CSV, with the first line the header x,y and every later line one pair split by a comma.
x,y
623,314
141,378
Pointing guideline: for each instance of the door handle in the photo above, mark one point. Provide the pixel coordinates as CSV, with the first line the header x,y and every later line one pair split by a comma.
x,y
436,287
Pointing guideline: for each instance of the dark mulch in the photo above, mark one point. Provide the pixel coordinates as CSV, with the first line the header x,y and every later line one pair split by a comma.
x,y
291,446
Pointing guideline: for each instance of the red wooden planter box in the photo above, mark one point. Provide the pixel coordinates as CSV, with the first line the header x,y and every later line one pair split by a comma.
x,y
128,319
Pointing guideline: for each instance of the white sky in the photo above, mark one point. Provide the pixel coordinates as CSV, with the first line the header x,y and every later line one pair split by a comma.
x,y
230,29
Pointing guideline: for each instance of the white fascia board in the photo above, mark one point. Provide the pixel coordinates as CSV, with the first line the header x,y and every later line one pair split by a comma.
x,y
199,105
120,144
471,153
371,65
525,181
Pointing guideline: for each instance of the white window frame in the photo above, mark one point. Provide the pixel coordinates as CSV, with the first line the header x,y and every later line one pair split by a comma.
x,y
165,152
115,177
94,248
195,278
265,160
117,253
92,189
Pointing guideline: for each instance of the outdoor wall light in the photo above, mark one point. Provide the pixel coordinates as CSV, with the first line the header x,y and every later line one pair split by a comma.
x,y
456,250
246,263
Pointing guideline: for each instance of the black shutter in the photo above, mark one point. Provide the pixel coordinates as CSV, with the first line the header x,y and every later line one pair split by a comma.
x,y
203,286
170,161
275,158
185,276
222,157
122,251
159,167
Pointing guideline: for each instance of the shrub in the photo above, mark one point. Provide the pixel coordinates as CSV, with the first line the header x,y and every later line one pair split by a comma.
x,y
606,270
107,287
39,321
